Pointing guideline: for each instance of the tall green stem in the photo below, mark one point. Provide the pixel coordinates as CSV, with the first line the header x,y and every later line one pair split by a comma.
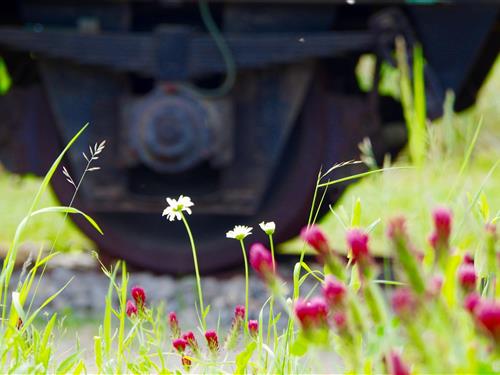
x,y
246,283
271,302
197,271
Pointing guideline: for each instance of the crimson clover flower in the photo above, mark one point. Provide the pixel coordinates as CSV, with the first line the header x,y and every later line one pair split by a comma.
x,y
179,345
239,312
403,302
234,333
488,316
334,291
357,241
472,301
467,276
340,320
315,238
131,308
395,364
174,325
253,328
311,314
468,259
139,296
442,218
261,261
191,340
212,341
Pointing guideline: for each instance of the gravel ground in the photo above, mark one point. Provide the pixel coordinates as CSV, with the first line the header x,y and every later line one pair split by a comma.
x,y
84,297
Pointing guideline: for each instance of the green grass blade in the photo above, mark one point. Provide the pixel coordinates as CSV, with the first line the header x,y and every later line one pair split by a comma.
x,y
359,175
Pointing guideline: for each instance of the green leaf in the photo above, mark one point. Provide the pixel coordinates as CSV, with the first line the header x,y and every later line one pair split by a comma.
x,y
17,306
98,352
48,331
45,303
243,358
356,214
66,365
355,282
5,80
80,368
450,280
299,346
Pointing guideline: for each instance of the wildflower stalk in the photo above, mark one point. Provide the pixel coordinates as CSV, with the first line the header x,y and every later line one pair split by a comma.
x,y
271,301
404,255
491,261
415,335
88,168
197,271
246,282
375,302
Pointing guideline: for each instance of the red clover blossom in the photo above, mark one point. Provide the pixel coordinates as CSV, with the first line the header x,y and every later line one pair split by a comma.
x,y
311,314
131,308
316,239
253,328
139,296
334,291
212,341
261,261
174,325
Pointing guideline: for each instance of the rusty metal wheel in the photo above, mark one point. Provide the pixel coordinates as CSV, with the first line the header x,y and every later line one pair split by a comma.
x,y
148,241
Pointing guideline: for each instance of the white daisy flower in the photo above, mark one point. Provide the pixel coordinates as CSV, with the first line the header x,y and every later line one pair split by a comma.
x,y
176,206
268,228
239,232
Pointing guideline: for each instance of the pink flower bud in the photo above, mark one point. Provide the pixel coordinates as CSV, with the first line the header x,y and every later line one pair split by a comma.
x,y
131,308
261,260
340,320
139,296
433,240
491,229
239,312
253,328
468,259
472,301
191,340
395,364
316,239
442,218
212,341
396,228
334,291
435,285
403,301
488,315
311,314
442,221
467,276
179,345
357,241
174,325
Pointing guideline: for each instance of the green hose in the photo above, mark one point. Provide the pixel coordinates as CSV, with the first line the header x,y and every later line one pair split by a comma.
x,y
224,50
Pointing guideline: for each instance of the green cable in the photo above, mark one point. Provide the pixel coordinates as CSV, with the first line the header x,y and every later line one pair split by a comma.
x,y
224,50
